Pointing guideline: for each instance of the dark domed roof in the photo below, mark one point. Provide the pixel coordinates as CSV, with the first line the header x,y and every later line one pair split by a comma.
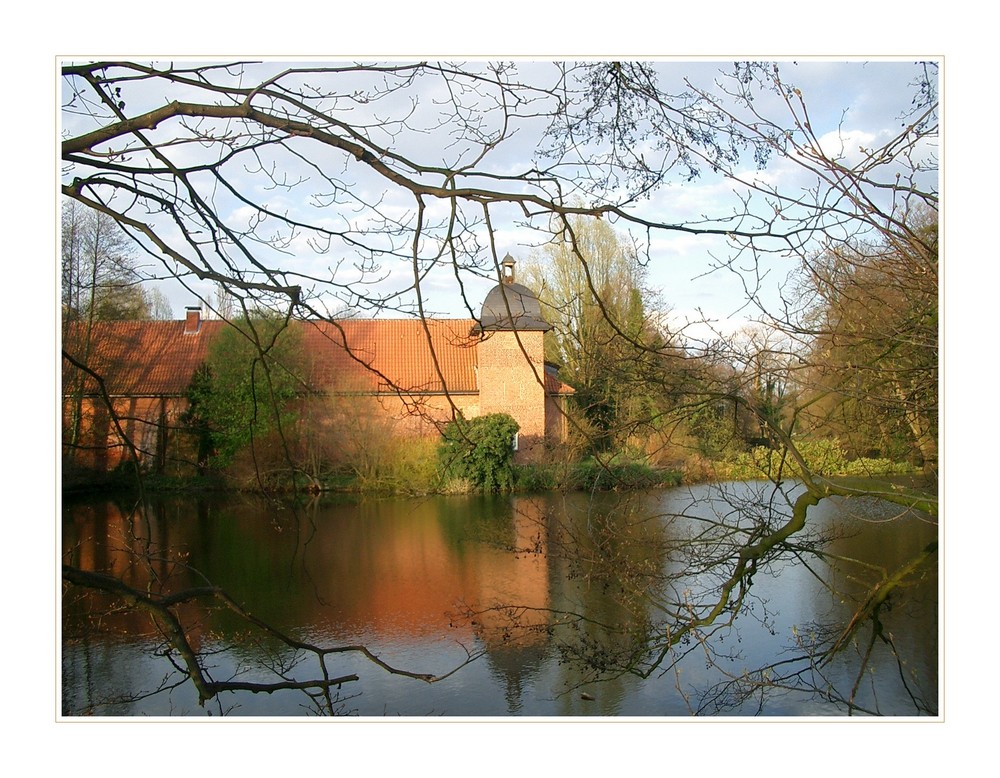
x,y
511,306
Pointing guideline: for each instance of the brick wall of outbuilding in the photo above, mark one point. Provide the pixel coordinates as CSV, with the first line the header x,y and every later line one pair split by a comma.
x,y
511,374
150,423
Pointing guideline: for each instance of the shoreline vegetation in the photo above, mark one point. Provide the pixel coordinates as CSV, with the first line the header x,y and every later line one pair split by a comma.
x,y
475,456
422,475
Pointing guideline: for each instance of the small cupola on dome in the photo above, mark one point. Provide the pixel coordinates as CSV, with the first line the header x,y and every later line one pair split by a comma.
x,y
511,306
508,269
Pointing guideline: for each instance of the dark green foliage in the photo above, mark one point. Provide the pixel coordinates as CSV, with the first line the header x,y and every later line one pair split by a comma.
x,y
244,390
198,416
591,475
481,451
541,478
716,430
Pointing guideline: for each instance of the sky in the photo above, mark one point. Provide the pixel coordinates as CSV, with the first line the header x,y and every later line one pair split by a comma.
x,y
857,100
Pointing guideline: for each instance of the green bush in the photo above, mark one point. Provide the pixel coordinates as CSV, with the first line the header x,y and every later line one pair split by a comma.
x,y
620,472
592,475
406,466
537,478
481,451
823,457
867,466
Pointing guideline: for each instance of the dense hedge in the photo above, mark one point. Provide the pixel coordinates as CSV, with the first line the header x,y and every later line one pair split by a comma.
x,y
481,451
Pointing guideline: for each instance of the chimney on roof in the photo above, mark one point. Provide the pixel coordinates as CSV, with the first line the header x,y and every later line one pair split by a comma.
x,y
192,320
508,269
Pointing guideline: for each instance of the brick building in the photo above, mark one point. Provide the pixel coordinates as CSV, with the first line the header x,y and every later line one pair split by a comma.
x,y
418,374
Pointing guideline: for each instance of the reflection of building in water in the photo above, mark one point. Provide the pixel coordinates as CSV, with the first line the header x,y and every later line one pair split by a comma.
x,y
417,573
431,575
515,589
515,664
372,573
134,545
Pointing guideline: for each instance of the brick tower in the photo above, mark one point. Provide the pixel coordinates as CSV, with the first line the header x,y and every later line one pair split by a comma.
x,y
511,360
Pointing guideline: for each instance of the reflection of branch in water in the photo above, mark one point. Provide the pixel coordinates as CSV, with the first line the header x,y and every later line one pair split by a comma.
x,y
806,672
740,580
818,645
619,556
877,598
653,592
160,608
878,595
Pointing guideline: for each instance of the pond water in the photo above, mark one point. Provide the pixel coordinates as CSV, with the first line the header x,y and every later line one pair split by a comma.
x,y
552,605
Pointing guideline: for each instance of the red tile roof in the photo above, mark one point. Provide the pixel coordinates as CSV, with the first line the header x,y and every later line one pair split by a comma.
x,y
157,358
392,354
141,358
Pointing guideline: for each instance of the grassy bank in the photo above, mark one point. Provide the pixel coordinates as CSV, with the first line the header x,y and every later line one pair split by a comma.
x,y
417,470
